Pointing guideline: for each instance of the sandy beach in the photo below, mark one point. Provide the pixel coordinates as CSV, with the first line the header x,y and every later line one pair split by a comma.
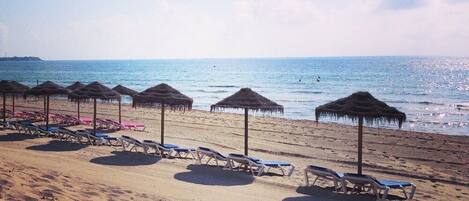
x,y
45,168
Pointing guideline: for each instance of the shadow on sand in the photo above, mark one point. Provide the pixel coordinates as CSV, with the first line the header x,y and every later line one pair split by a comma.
x,y
316,193
15,137
126,158
57,145
216,176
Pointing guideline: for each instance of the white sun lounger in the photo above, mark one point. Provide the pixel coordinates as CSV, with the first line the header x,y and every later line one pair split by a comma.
x,y
203,152
257,165
133,143
377,186
324,173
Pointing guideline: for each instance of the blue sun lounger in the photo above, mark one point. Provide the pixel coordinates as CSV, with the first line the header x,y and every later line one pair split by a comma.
x,y
378,186
167,149
203,152
257,165
324,173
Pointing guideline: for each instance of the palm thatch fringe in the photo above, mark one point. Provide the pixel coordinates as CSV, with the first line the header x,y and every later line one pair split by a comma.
x,y
271,110
173,107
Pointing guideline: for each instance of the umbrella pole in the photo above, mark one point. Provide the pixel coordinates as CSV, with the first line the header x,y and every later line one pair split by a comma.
x,y
120,121
162,123
245,131
4,110
47,114
360,142
78,109
94,117
13,103
45,105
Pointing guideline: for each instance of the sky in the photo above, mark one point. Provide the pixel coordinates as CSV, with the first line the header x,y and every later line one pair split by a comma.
x,y
152,29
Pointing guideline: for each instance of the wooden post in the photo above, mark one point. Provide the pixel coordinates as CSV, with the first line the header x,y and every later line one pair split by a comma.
x,y
78,109
120,119
162,123
45,105
13,104
360,142
245,131
94,117
47,114
4,110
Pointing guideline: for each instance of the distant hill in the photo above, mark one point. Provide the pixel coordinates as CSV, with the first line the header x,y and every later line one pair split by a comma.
x,y
20,59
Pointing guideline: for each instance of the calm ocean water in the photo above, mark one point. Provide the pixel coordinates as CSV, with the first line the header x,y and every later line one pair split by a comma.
x,y
432,91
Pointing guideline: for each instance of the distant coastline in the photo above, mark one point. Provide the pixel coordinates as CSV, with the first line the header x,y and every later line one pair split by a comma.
x,y
20,59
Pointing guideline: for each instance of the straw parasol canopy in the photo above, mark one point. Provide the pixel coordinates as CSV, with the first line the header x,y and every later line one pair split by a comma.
x,y
162,95
94,91
361,106
123,91
46,90
247,99
74,87
11,88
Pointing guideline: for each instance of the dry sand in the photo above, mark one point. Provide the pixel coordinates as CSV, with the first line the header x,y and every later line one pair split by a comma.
x,y
44,168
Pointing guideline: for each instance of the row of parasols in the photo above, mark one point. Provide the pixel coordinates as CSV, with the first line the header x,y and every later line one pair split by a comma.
x,y
361,106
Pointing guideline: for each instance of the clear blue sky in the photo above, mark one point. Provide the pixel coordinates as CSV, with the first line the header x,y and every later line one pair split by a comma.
x,y
145,29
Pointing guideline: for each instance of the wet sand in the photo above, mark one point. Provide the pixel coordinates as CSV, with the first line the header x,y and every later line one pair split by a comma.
x,y
44,168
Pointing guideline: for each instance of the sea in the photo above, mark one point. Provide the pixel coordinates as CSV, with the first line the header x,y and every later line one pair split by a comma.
x,y
432,91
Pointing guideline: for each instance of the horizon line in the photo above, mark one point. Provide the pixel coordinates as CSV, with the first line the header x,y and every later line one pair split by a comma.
x,y
266,57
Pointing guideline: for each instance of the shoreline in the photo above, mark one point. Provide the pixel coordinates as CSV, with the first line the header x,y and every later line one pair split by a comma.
x,y
436,163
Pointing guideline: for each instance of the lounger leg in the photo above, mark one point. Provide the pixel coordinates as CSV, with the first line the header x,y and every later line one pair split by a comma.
x,y
290,172
412,192
385,193
208,161
405,193
306,178
316,179
260,171
199,158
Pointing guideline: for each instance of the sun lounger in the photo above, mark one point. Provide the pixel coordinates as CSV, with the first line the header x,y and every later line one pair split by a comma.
x,y
257,165
133,143
168,150
41,131
366,182
20,126
133,126
69,135
324,173
210,154
86,120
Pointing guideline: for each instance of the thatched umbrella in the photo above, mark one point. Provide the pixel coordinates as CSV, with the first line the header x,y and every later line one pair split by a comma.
x,y
46,90
74,87
94,91
361,106
123,91
247,99
10,88
162,95
22,88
